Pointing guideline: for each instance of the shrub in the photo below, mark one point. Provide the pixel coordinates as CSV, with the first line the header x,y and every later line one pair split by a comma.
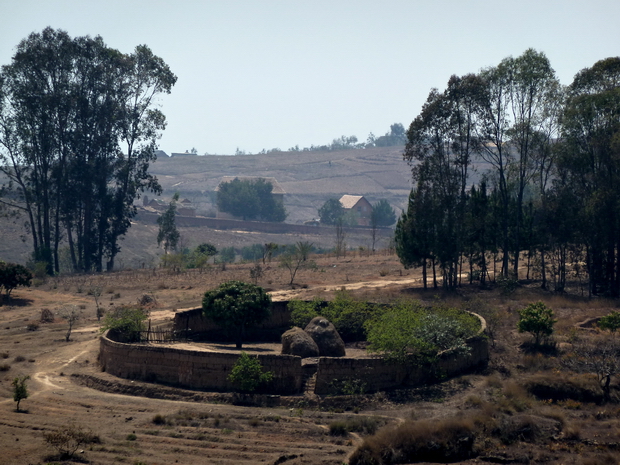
x,y
252,252
536,319
247,373
610,322
303,312
125,321
13,275
227,254
409,329
442,441
159,419
47,316
67,439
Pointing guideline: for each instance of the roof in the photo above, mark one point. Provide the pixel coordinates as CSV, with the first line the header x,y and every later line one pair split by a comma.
x,y
349,201
277,188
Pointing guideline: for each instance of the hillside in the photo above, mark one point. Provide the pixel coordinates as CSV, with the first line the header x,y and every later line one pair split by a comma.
x,y
309,179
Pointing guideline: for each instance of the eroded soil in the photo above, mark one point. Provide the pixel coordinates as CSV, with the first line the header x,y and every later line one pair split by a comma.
x,y
142,423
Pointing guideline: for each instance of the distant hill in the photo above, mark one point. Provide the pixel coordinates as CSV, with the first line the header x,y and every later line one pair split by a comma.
x,y
309,178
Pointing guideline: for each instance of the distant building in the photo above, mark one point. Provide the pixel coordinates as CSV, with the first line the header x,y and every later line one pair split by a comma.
x,y
184,207
360,207
183,154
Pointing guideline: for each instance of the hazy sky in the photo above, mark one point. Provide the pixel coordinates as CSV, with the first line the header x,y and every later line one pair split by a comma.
x,y
276,73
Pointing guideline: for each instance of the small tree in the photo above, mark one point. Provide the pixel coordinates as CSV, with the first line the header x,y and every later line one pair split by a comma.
x,y
126,321
72,314
13,275
600,356
96,292
20,390
383,214
247,373
536,319
236,305
296,258
168,233
68,439
610,322
331,211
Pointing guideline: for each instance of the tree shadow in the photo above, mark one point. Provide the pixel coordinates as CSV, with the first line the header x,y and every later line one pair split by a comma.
x,y
234,349
548,348
15,302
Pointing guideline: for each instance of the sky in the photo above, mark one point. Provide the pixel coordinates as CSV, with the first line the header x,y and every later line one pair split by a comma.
x,y
264,74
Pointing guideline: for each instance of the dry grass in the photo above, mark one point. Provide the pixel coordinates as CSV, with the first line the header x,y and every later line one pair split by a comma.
x,y
447,440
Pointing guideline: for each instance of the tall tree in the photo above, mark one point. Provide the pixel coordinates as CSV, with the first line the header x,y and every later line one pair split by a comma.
x,y
533,96
66,106
589,168
168,233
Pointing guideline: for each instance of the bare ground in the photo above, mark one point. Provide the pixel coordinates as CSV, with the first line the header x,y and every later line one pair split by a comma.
x,y
136,422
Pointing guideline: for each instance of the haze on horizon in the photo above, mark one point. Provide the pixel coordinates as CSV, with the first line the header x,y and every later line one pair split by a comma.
x,y
259,75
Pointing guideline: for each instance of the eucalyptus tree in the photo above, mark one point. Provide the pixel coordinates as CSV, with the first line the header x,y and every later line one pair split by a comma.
x,y
589,169
440,147
533,98
415,234
78,128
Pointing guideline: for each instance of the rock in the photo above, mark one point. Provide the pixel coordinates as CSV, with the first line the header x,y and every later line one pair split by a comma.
x,y
326,337
298,342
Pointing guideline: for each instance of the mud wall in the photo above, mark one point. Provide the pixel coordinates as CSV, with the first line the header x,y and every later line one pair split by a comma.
x,y
266,227
378,374
192,369
209,370
194,323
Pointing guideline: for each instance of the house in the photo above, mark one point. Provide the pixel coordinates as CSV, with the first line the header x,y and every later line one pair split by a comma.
x,y
186,208
360,207
277,192
183,154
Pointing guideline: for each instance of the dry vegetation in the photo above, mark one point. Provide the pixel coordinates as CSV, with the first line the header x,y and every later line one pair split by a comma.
x,y
525,408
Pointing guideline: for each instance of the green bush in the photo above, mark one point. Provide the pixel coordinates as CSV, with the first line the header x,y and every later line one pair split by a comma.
x,y
408,328
348,315
303,312
127,321
227,255
536,319
247,373
252,252
13,275
610,322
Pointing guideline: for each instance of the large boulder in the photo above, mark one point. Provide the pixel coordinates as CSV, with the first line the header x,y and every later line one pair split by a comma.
x,y
298,342
326,337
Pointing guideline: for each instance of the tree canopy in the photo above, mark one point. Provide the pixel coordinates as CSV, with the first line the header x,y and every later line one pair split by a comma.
x,y
548,150
237,305
168,233
78,129
382,214
250,199
331,211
